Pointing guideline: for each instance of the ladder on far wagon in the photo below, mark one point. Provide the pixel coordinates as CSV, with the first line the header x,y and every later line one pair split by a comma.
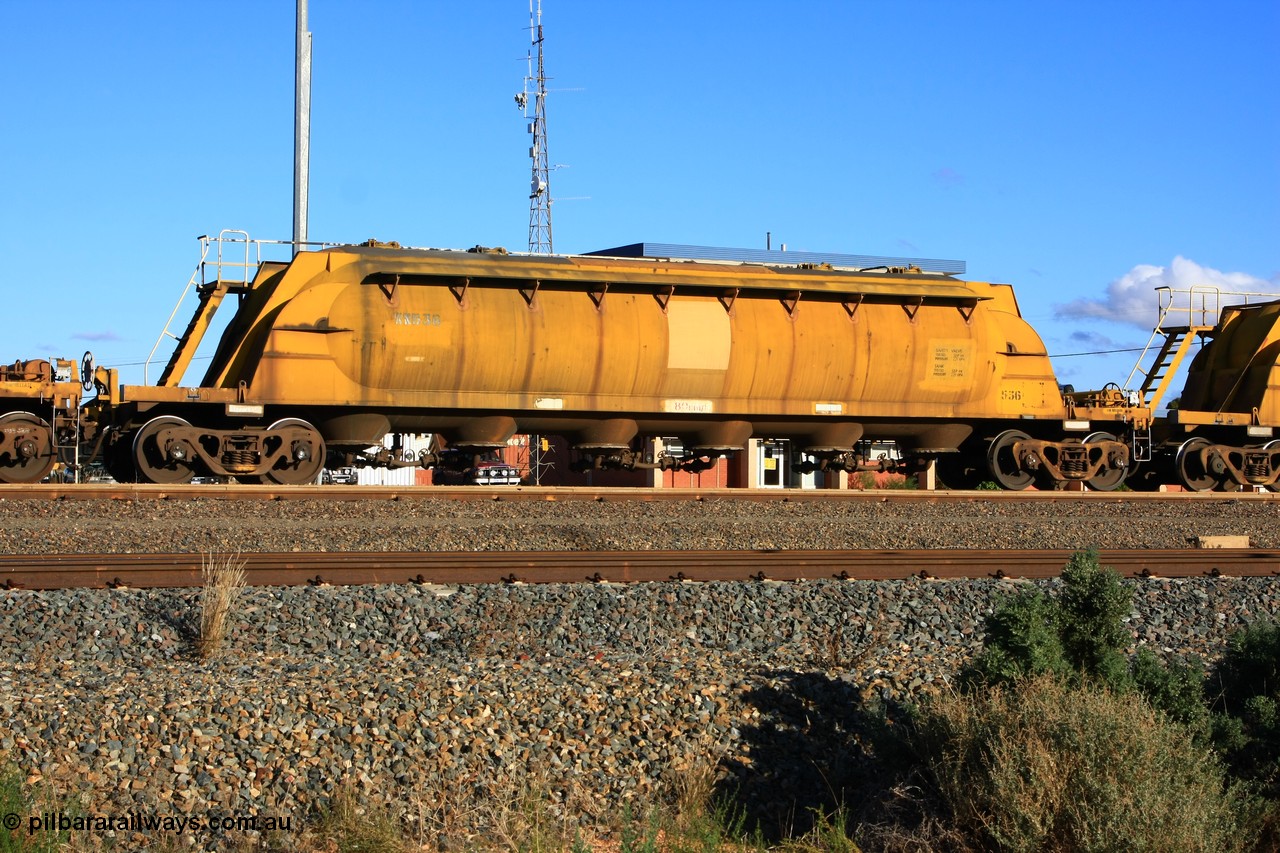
x,y
1186,317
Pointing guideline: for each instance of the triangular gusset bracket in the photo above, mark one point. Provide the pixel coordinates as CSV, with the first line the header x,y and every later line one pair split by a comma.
x,y
597,293
790,301
912,307
852,305
529,291
388,288
728,298
663,296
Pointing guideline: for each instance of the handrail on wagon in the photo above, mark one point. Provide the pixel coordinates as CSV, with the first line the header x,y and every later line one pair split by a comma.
x,y
1200,305
238,257
235,263
1184,314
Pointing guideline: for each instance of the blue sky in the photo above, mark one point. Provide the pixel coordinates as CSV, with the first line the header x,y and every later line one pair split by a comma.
x,y
1084,151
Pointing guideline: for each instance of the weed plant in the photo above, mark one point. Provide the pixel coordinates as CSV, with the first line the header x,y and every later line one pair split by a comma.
x,y
223,581
18,799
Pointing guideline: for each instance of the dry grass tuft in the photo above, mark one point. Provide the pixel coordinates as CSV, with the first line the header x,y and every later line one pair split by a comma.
x,y
346,825
223,580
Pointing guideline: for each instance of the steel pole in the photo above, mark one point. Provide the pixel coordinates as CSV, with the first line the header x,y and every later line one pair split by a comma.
x,y
301,129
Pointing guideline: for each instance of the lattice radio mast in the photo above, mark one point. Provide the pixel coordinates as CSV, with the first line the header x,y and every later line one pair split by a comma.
x,y
535,113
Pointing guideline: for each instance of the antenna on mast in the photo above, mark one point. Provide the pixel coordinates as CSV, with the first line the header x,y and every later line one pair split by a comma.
x,y
535,113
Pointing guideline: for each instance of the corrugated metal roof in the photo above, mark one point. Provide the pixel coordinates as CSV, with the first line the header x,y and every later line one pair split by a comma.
x,y
776,258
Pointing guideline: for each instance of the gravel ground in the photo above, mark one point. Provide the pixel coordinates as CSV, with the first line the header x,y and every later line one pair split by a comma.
x,y
220,526
446,704
437,700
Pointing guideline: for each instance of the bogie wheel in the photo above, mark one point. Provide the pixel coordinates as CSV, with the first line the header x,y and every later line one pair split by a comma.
x,y
303,461
1004,467
1108,479
153,462
26,451
1190,466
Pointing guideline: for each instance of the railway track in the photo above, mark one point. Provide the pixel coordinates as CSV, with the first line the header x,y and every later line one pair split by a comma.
x,y
184,570
142,492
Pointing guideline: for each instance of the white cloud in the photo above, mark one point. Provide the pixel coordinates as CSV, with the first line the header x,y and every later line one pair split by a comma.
x,y
1131,298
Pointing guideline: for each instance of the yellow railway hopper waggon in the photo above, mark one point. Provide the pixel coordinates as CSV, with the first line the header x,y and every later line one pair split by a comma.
x,y
329,353
1220,434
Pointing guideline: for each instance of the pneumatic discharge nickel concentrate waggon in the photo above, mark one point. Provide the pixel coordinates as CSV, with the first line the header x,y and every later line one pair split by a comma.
x,y
327,354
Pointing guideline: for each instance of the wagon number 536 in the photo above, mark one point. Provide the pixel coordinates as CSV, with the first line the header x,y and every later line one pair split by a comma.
x,y
1010,395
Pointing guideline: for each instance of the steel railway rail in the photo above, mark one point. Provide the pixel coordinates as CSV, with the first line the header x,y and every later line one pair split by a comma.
x,y
184,570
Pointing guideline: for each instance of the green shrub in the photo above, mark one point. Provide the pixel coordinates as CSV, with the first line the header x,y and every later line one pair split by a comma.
x,y
1022,638
1040,766
1079,636
1176,688
1247,687
1091,612
1002,768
